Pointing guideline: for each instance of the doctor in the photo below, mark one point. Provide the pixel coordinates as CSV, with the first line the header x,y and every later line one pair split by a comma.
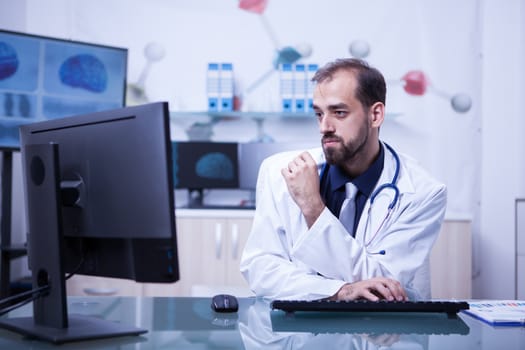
x,y
298,247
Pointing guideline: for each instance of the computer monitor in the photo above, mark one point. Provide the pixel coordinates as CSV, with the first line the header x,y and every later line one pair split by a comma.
x,y
100,201
45,78
199,166
252,154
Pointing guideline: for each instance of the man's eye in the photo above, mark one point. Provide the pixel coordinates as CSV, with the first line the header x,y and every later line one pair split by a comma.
x,y
340,113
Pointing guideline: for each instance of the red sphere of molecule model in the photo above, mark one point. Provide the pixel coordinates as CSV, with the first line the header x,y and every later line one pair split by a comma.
x,y
257,6
416,82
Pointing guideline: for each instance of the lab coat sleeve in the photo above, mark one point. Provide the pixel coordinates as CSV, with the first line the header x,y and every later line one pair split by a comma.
x,y
266,262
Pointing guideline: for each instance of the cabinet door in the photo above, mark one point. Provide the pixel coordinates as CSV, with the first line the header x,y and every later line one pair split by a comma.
x,y
206,253
451,261
238,231
200,246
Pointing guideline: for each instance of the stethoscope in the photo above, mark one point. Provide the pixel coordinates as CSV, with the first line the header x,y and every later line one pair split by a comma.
x,y
392,185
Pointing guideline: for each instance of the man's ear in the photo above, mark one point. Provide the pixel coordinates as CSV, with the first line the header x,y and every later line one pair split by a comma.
x,y
377,114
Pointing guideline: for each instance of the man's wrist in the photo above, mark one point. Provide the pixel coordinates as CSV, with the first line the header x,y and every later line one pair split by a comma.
x,y
312,213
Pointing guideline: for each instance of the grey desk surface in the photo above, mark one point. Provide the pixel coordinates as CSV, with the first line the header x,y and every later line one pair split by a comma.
x,y
189,323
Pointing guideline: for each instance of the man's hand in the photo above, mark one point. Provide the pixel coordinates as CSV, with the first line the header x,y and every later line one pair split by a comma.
x,y
373,289
302,180
381,340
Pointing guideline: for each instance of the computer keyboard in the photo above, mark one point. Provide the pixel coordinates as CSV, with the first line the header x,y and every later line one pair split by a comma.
x,y
449,307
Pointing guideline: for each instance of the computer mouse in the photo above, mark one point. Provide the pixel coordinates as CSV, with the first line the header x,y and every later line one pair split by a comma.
x,y
224,303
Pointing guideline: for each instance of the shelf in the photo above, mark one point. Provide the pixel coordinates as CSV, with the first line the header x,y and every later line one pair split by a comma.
x,y
239,115
235,115
199,125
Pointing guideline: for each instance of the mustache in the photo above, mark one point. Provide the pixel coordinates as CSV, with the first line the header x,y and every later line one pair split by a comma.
x,y
331,138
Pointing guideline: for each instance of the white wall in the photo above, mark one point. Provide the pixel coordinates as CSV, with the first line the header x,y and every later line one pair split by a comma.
x,y
503,147
13,15
500,157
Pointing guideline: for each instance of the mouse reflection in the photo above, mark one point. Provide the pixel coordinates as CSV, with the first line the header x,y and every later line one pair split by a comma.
x,y
261,328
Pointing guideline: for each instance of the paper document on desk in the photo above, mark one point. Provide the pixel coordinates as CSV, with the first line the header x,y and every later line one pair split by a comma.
x,y
498,312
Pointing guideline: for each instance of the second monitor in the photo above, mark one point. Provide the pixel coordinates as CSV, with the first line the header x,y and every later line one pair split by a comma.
x,y
199,166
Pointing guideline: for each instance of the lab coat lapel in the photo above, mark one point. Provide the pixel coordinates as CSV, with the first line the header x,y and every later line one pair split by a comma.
x,y
374,216
379,210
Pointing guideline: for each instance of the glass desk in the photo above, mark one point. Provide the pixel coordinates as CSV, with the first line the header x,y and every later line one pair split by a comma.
x,y
189,323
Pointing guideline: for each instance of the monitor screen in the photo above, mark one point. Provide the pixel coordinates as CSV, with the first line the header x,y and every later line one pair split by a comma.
x,y
199,166
45,78
100,201
205,165
252,154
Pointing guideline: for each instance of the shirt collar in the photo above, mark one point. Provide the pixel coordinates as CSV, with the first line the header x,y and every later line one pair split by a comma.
x,y
364,182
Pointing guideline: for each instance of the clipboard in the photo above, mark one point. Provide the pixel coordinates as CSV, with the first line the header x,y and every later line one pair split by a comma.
x,y
510,313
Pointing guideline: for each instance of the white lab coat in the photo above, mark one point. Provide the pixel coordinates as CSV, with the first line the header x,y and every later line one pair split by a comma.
x,y
284,259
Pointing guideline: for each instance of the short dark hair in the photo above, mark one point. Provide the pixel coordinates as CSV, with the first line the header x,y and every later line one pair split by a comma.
x,y
371,86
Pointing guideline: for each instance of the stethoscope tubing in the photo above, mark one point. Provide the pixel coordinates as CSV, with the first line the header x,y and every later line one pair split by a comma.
x,y
392,184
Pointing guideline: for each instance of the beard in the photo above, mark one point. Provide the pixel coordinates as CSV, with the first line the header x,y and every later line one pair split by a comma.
x,y
348,151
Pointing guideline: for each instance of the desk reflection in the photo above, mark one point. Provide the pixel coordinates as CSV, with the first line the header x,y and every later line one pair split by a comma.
x,y
262,328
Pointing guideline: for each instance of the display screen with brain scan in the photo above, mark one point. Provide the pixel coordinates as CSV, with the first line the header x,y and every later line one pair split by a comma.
x,y
45,78
205,165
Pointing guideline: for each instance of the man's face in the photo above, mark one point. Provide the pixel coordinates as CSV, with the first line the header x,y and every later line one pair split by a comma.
x,y
343,121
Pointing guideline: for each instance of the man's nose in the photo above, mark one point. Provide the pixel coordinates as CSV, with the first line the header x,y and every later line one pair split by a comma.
x,y
325,125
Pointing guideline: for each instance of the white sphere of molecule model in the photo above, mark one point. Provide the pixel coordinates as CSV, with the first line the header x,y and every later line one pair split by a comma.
x,y
304,49
461,103
359,49
154,51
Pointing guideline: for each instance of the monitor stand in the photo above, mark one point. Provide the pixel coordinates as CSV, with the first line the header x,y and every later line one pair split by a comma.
x,y
195,198
50,320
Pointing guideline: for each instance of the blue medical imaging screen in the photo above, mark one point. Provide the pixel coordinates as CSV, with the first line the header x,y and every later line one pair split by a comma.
x,y
205,165
45,78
